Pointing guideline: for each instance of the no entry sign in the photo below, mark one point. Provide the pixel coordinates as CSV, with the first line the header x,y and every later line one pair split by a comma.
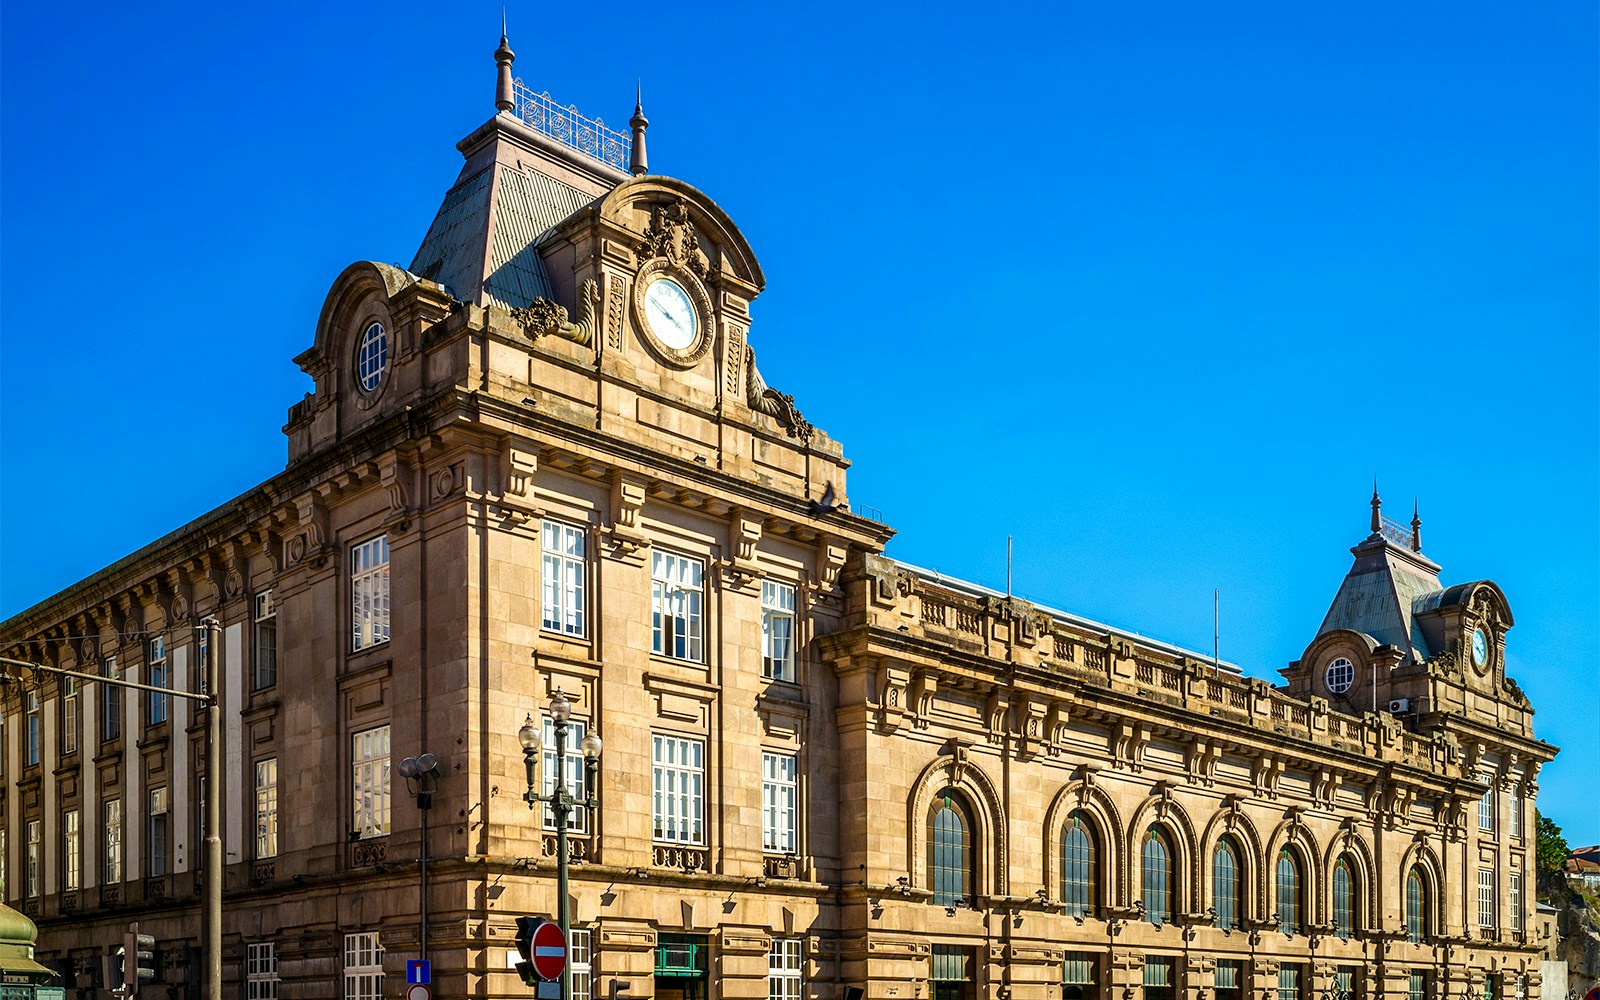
x,y
549,951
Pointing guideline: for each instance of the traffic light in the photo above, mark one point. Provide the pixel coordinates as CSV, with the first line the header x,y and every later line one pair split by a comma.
x,y
525,928
138,959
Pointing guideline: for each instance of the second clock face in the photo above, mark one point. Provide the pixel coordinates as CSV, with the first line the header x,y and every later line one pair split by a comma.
x,y
1480,648
671,314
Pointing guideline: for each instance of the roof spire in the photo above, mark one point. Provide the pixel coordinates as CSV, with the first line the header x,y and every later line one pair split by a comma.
x,y
503,56
1416,526
640,164
1377,505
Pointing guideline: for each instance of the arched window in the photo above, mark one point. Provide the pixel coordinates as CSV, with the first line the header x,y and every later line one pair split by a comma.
x,y
1078,866
950,849
1288,893
1225,884
1344,899
1416,906
1156,868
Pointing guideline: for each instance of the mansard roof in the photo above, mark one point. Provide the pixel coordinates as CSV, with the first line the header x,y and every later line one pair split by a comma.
x,y
1382,594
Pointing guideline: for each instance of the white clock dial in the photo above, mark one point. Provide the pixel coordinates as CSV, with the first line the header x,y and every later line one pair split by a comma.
x,y
670,314
1480,647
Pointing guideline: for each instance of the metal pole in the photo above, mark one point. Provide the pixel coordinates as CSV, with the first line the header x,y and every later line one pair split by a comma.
x,y
213,812
423,947
562,807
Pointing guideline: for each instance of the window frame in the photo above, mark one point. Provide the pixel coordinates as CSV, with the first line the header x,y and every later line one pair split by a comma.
x,y
371,786
667,800
362,980
580,952
157,832
111,869
778,651
1080,883
264,630
1417,924
1228,916
1344,898
577,819
786,968
780,802
261,970
70,720
1488,919
110,701
370,622
158,673
33,730
952,854
1164,892
677,610
33,858
266,810
563,604
1289,892
71,851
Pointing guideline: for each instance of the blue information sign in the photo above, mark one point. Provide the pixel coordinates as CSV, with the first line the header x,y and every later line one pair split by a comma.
x,y
419,972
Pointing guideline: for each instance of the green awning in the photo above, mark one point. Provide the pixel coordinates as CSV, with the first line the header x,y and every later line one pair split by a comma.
x,y
16,965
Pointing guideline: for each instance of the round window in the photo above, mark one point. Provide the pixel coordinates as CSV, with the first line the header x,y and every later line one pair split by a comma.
x,y
372,357
1341,674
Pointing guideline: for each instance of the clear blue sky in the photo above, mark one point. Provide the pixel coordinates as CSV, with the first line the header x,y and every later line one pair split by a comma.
x,y
1155,288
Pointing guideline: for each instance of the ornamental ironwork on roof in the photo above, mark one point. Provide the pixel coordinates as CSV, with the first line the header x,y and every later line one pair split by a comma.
x,y
589,136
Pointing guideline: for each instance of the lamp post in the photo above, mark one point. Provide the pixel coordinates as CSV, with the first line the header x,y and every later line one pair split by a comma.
x,y
561,801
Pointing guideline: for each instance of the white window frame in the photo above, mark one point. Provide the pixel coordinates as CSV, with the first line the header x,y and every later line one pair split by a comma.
x,y
264,617
363,966
267,808
33,746
157,675
777,631
369,593
261,971
780,802
1486,914
1515,813
564,578
678,774
69,715
156,842
111,823
370,781
1514,892
577,819
786,969
677,602
110,701
580,959
1486,808
71,852
33,855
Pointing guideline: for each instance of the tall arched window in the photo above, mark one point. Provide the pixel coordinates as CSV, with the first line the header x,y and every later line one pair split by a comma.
x,y
1288,893
1225,884
1156,868
1344,899
1416,906
950,849
1078,866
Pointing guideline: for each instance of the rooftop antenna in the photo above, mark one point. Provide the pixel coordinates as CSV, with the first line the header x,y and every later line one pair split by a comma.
x,y
503,56
640,164
1008,566
1216,631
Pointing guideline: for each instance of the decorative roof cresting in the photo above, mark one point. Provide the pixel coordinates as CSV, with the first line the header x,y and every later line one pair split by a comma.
x,y
566,125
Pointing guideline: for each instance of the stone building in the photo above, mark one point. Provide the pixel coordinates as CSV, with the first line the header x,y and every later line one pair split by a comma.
x,y
543,459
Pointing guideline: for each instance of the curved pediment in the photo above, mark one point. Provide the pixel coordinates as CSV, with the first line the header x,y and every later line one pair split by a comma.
x,y
677,220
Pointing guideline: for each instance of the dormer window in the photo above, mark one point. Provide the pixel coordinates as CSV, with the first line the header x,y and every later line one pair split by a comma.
x,y
1341,674
372,357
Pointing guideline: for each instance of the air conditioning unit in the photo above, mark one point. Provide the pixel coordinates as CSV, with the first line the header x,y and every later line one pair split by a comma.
x,y
1399,705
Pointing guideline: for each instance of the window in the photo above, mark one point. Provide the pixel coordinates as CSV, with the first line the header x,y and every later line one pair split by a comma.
x,y
32,750
1515,812
1288,893
1486,897
562,572
372,357
34,871
1344,982
1289,982
572,768
950,849
1228,979
111,697
369,593
1078,977
111,870
1417,987
71,852
1344,905
265,672
1515,898
777,631
69,715
580,957
1341,674
1488,986
951,967
780,796
1486,807
1156,872
783,969
369,781
1078,867
675,596
1225,884
363,966
678,786
156,671
267,808
261,972
157,853
1158,978
1416,907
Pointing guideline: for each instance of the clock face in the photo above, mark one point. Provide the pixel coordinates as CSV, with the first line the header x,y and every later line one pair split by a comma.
x,y
670,314
1480,647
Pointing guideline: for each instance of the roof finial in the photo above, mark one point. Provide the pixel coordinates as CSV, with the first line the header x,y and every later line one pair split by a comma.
x,y
1377,505
640,164
503,56
1416,526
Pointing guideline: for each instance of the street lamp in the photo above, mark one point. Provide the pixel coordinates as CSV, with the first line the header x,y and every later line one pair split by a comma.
x,y
560,800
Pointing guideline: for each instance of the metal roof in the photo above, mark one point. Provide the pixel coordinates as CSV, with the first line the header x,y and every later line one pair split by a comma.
x,y
1381,594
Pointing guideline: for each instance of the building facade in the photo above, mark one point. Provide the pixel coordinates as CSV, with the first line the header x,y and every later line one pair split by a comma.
x,y
542,459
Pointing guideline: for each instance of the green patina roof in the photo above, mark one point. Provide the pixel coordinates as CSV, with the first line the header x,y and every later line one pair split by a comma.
x,y
17,930
1381,595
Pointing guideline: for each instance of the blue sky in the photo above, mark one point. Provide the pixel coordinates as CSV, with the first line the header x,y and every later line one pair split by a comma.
x,y
1156,288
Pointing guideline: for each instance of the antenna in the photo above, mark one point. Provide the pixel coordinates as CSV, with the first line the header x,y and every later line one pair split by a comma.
x,y
1216,631
1008,565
